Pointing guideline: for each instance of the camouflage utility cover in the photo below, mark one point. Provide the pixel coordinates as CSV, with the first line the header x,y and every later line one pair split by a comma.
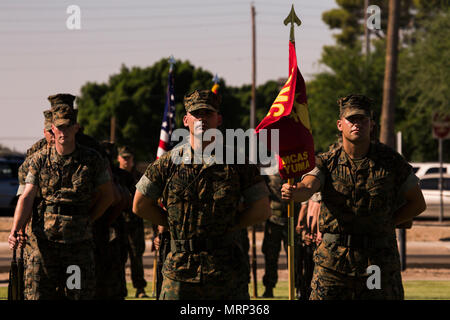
x,y
201,202
355,104
63,115
360,200
48,116
66,182
65,99
202,99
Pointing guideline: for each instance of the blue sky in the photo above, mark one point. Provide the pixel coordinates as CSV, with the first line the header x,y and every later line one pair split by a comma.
x,y
39,56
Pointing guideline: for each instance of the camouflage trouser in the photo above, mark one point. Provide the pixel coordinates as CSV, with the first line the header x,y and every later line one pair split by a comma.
x,y
136,246
218,290
273,235
231,285
47,273
331,285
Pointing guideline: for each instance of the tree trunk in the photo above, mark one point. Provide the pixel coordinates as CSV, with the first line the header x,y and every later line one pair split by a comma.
x,y
387,133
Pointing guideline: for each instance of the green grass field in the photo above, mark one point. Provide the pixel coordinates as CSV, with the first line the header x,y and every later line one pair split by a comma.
x,y
414,290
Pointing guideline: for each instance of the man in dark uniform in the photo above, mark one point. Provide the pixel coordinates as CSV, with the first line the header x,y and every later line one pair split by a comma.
x,y
361,183
275,233
109,232
202,199
134,225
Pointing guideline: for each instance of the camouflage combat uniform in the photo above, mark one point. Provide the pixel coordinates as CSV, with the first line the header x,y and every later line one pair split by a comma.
x,y
359,198
61,230
205,261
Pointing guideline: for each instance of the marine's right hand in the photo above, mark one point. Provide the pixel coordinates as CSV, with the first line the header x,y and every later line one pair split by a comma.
x,y
17,239
287,191
12,240
157,242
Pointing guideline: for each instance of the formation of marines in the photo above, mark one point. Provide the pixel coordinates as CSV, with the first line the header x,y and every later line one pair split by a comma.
x,y
79,212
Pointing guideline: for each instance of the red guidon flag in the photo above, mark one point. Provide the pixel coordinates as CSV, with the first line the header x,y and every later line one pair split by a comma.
x,y
289,113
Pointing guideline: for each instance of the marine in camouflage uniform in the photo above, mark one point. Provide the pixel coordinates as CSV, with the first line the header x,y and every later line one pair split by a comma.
x,y
61,233
23,171
134,225
360,209
202,199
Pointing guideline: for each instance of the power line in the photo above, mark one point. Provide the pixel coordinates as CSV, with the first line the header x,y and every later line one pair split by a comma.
x,y
134,18
138,7
19,138
209,26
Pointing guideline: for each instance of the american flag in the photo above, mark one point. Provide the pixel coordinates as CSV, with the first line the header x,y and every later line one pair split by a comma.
x,y
168,122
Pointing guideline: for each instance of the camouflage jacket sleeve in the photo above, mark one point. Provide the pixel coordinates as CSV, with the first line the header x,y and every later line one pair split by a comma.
x,y
22,174
253,185
153,181
318,171
34,167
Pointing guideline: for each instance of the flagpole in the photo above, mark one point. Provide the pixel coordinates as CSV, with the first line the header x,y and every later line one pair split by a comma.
x,y
291,248
291,19
252,125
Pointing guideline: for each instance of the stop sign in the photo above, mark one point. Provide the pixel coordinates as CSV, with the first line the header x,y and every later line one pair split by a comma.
x,y
441,125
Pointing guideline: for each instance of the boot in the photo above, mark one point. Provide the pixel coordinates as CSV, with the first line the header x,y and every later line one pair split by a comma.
x,y
140,293
268,293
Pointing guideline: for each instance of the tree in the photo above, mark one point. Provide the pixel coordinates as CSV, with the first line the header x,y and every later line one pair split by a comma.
x,y
136,97
424,84
348,73
387,132
350,15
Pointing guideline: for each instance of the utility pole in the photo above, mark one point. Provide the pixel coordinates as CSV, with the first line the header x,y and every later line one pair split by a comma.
x,y
253,102
112,133
401,233
366,31
252,125
366,45
387,134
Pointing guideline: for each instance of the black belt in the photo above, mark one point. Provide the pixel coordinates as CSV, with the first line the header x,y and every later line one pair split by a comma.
x,y
356,240
66,209
201,244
